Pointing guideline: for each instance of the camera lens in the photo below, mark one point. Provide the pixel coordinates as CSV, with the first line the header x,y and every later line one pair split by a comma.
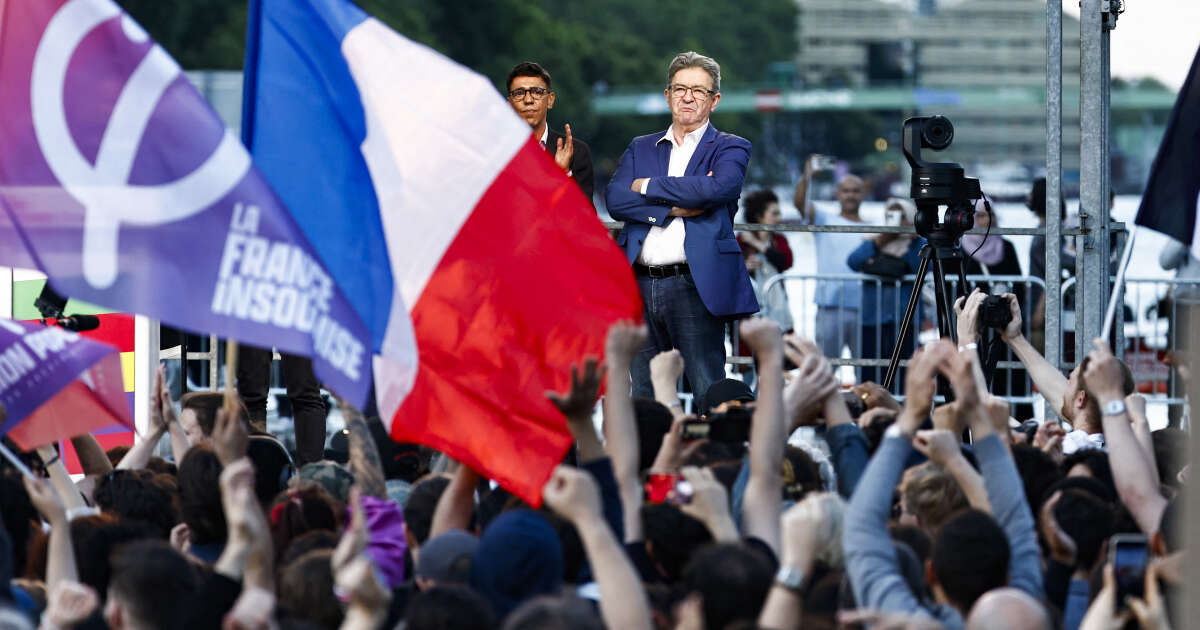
x,y
937,132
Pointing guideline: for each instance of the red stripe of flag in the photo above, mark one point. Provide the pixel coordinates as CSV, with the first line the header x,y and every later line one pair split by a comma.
x,y
528,287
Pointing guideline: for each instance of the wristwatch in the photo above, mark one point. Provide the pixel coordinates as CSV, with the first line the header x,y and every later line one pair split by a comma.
x,y
791,578
1113,407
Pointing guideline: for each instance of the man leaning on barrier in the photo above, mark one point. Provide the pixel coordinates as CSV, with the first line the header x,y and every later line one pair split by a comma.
x,y
677,193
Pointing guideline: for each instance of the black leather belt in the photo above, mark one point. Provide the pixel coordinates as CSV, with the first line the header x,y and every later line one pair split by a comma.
x,y
661,271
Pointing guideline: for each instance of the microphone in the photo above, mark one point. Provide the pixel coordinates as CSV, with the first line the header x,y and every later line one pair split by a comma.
x,y
79,323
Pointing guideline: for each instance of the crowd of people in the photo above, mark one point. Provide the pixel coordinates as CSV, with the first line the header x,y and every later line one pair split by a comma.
x,y
887,520
795,504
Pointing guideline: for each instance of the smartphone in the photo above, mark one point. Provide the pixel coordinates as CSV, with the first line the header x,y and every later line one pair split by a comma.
x,y
1129,555
824,163
695,430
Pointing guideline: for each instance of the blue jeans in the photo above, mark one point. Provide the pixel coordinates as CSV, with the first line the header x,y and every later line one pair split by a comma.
x,y
677,318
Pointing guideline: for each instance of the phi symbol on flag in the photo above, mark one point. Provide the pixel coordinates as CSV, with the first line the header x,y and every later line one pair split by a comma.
x,y
103,187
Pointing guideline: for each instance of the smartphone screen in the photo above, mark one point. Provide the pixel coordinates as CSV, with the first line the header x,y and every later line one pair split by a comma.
x,y
1129,558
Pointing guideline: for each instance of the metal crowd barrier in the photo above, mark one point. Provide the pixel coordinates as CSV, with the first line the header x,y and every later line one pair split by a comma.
x,y
1009,380
1154,333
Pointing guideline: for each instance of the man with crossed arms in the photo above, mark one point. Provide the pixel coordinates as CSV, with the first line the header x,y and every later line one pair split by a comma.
x,y
677,193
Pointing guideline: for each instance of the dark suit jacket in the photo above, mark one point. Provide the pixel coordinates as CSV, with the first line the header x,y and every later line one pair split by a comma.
x,y
712,250
581,162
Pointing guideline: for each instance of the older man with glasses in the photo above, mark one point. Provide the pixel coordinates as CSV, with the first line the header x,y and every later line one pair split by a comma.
x,y
677,193
530,96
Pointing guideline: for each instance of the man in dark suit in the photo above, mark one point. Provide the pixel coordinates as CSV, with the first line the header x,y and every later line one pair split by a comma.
x,y
530,95
677,193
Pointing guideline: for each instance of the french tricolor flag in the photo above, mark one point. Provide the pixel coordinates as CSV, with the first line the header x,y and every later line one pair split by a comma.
x,y
446,224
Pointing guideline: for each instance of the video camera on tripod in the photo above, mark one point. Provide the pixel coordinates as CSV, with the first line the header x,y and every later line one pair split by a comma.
x,y
945,200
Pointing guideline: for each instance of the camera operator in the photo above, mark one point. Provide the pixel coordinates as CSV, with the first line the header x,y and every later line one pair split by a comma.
x,y
1069,396
994,255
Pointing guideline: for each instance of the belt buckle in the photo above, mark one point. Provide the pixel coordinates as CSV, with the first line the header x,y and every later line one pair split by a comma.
x,y
656,271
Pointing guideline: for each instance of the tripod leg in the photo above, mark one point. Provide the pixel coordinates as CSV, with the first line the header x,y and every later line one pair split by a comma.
x,y
905,324
946,327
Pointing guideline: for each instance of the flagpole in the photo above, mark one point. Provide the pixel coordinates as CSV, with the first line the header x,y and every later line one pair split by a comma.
x,y
1118,285
231,361
16,461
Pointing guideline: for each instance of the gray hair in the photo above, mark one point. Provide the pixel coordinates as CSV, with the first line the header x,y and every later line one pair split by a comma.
x,y
695,60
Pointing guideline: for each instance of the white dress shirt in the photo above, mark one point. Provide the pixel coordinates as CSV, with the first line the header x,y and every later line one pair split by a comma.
x,y
664,246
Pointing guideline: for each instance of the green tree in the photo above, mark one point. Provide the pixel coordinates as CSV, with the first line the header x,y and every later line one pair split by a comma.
x,y
586,46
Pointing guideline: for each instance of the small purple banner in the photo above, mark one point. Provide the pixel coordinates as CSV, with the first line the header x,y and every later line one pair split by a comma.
x,y
36,362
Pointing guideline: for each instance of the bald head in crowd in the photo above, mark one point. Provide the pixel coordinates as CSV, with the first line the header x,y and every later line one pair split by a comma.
x,y
1008,609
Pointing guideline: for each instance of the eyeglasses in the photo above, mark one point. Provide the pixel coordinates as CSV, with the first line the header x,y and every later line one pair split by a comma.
x,y
538,93
698,92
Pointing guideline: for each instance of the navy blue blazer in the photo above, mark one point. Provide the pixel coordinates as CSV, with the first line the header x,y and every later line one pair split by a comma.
x,y
712,250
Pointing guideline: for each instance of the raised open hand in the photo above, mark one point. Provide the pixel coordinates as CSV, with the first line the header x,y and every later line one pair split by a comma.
x,y
564,151
578,402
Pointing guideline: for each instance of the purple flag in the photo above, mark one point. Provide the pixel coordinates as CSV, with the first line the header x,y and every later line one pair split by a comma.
x,y
55,384
123,186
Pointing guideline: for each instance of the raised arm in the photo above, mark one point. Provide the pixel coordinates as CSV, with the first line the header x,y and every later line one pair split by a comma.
x,y
248,555
91,455
723,187
143,448
800,198
59,478
1048,379
985,414
624,341
1135,404
871,560
623,604
944,449
577,405
665,370
457,503
709,504
761,503
813,391
60,554
166,406
805,526
1135,476
365,464
354,574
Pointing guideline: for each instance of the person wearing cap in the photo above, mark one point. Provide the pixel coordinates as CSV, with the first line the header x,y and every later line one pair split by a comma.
x,y
724,392
446,559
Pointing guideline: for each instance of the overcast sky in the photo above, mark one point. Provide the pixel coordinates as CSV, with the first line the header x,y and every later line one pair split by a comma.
x,y
1155,38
